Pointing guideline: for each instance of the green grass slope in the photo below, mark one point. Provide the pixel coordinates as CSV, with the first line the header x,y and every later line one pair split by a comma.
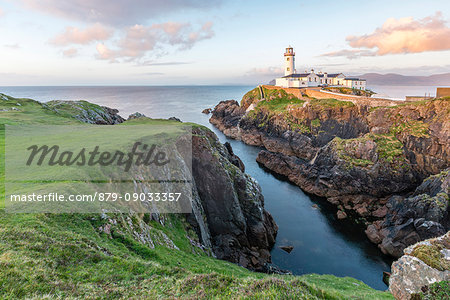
x,y
68,256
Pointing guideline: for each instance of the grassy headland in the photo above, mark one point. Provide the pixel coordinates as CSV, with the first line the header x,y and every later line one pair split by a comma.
x,y
79,256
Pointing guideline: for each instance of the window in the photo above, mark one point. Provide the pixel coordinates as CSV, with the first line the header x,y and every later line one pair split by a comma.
x,y
288,69
310,79
315,79
287,59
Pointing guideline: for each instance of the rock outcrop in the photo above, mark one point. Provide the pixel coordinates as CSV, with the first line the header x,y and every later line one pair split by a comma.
x,y
86,112
355,155
136,115
423,215
241,230
226,116
423,264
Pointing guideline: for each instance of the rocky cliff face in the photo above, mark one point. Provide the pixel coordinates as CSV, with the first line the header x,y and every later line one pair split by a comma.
x,y
241,230
227,207
422,215
85,112
424,267
355,155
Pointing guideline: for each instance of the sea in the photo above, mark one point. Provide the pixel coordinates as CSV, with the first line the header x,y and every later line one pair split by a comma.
x,y
322,243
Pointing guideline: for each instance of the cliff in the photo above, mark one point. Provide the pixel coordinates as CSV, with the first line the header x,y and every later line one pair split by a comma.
x,y
113,255
423,272
241,230
355,154
228,207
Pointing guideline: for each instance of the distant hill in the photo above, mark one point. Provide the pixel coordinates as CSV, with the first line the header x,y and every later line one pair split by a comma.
x,y
397,79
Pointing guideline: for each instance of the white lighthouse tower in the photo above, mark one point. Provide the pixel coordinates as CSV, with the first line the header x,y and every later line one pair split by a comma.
x,y
289,61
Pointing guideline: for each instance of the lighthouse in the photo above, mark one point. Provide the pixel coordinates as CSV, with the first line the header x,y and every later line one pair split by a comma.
x,y
289,61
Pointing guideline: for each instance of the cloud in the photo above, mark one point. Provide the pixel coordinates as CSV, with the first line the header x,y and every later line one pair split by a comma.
x,y
167,63
105,53
117,12
1,12
71,52
152,74
404,35
73,35
266,72
350,54
140,40
12,46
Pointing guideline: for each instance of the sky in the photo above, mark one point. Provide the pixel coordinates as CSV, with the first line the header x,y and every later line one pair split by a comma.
x,y
216,42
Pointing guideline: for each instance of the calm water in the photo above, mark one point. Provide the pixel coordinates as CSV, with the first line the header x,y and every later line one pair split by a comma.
x,y
399,92
322,244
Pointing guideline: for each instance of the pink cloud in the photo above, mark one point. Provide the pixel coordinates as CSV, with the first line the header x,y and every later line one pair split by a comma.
x,y
1,12
117,12
350,53
105,53
140,40
73,35
406,35
396,36
71,52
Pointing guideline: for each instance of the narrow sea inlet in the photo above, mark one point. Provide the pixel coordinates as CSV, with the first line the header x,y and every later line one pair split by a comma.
x,y
322,244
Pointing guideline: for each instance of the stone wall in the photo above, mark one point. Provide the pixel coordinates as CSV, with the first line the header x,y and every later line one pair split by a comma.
x,y
316,93
442,92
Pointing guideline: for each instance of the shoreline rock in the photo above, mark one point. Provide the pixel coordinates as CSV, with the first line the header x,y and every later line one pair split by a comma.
x,y
287,249
422,264
207,111
356,156
241,230
423,215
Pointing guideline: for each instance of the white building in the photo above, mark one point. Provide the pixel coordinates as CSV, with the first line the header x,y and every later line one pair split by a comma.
x,y
311,79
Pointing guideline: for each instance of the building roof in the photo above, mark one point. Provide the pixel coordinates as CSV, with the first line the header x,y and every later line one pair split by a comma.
x,y
297,75
334,75
354,78
301,75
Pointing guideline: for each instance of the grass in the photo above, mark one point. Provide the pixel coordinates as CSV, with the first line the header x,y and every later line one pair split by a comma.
x,y
64,255
330,103
412,127
388,148
278,103
315,123
349,91
437,290
250,97
278,100
67,255
342,147
431,254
